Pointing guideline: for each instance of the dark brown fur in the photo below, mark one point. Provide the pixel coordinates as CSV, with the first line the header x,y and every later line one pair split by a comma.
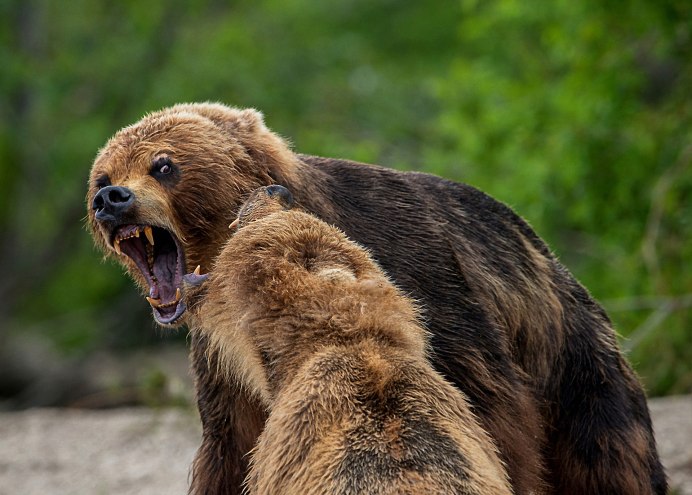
x,y
308,322
511,328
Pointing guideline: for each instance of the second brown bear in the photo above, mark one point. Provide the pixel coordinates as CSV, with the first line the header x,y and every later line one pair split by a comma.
x,y
307,321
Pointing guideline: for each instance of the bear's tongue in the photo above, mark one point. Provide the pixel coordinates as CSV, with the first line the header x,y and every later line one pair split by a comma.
x,y
160,260
165,271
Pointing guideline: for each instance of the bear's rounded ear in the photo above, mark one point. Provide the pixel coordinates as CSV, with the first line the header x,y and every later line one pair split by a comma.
x,y
266,149
248,120
234,119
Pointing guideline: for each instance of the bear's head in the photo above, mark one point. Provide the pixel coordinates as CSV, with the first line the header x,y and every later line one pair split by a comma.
x,y
163,191
262,202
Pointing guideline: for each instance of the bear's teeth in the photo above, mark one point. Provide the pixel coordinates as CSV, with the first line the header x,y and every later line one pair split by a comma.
x,y
155,303
178,294
149,233
195,278
150,257
116,247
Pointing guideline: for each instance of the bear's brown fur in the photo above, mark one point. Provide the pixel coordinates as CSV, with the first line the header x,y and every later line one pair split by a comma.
x,y
311,325
510,327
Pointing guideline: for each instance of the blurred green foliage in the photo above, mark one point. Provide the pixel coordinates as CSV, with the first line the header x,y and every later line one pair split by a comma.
x,y
577,114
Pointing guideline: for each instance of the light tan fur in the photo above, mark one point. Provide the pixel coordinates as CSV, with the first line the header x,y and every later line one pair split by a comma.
x,y
313,326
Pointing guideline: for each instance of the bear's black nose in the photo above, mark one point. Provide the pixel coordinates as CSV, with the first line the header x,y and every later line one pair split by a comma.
x,y
283,195
111,202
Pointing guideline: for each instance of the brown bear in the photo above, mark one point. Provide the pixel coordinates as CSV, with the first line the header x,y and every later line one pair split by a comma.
x,y
536,356
306,321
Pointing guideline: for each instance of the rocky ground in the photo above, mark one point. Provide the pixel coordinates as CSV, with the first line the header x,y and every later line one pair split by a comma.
x,y
143,451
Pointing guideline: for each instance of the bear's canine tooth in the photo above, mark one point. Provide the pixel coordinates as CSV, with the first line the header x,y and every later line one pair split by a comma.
x,y
155,303
149,233
116,247
197,270
234,224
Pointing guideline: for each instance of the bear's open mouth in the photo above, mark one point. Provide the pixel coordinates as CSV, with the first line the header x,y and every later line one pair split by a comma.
x,y
161,260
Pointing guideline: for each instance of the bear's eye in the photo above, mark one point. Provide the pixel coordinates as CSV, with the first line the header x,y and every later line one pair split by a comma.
x,y
103,181
164,170
162,165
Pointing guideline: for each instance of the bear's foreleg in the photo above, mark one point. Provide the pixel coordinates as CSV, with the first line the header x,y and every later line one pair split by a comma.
x,y
231,422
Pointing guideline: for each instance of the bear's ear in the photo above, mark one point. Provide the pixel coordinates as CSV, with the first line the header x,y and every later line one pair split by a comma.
x,y
246,120
247,126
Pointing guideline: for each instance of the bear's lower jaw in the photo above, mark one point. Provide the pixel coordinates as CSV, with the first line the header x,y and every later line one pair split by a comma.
x,y
169,315
160,259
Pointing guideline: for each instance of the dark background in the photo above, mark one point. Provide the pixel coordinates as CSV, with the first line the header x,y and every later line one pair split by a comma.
x,y
577,114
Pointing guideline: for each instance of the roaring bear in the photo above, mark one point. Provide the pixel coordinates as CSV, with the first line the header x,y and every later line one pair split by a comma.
x,y
310,324
510,327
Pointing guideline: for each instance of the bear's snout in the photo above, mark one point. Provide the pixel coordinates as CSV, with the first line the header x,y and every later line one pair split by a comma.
x,y
112,202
